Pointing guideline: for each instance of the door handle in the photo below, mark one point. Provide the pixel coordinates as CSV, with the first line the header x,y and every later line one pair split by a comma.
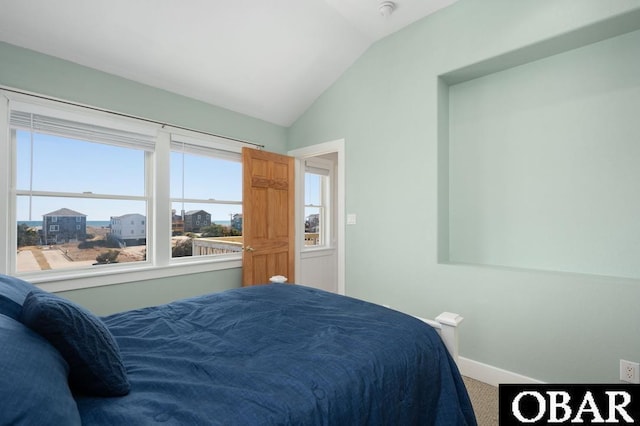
x,y
249,248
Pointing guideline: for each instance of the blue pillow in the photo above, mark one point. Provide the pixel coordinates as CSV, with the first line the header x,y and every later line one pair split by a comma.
x,y
96,367
15,289
34,388
9,307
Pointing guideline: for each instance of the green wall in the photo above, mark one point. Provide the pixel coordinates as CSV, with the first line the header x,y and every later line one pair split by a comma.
x,y
543,166
391,107
121,297
28,70
34,72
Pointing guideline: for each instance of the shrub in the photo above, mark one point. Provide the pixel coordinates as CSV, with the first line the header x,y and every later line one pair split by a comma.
x,y
182,248
108,257
27,236
215,230
110,242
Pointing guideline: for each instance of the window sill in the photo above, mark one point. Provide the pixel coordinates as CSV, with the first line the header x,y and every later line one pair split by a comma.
x,y
74,280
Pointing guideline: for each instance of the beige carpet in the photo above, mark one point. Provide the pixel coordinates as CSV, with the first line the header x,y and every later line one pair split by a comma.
x,y
484,399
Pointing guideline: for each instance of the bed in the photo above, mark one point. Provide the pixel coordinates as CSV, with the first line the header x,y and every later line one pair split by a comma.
x,y
264,355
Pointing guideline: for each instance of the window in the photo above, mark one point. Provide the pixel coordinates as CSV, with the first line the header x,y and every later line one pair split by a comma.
x,y
69,172
206,196
317,184
88,184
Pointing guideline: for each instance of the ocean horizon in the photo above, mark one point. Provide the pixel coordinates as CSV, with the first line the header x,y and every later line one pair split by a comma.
x,y
105,223
94,223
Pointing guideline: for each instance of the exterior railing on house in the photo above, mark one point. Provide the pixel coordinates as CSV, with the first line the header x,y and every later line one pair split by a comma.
x,y
311,239
216,245
223,245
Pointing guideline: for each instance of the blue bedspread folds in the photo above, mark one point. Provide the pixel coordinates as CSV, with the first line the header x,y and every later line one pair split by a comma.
x,y
280,354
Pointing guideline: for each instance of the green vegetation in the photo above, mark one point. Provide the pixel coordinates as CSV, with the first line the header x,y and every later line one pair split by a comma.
x,y
98,243
215,230
27,236
182,248
108,257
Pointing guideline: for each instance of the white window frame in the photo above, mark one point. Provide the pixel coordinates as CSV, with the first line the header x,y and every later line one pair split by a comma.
x,y
324,168
214,148
159,263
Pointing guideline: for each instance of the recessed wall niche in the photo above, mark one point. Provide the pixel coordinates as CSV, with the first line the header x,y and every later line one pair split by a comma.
x,y
539,156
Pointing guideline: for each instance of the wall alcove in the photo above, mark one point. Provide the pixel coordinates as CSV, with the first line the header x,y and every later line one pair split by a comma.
x,y
539,155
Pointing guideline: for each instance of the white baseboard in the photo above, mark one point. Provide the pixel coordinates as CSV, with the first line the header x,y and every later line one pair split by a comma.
x,y
490,374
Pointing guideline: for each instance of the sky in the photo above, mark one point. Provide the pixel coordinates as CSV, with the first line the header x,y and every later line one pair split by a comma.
x,y
58,164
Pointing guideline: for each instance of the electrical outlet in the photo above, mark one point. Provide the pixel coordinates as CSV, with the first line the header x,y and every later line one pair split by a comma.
x,y
629,371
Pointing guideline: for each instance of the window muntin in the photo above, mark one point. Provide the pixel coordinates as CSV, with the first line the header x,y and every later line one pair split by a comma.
x,y
62,249
51,119
78,185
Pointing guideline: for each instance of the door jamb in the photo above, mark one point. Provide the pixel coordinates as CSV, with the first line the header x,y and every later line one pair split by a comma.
x,y
337,146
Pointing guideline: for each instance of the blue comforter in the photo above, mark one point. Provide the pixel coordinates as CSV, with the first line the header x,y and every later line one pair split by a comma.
x,y
280,354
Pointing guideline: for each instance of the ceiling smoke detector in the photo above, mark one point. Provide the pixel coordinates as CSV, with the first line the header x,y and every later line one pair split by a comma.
x,y
386,8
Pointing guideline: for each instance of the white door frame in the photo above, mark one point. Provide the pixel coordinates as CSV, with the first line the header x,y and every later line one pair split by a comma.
x,y
337,146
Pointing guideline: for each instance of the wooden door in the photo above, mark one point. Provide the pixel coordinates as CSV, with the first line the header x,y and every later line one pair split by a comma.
x,y
269,221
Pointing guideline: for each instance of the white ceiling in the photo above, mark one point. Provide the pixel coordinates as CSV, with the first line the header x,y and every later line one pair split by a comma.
x,y
268,59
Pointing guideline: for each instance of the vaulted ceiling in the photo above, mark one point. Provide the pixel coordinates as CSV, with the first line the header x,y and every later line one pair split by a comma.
x,y
268,59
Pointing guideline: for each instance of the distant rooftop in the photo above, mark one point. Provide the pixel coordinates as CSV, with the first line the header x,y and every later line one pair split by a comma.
x,y
65,212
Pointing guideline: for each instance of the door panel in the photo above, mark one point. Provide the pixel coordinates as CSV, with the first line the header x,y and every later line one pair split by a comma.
x,y
268,204
264,266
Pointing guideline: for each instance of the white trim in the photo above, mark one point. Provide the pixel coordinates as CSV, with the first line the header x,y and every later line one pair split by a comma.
x,y
40,99
196,143
7,164
318,166
29,104
122,275
446,324
325,169
317,252
157,190
337,146
490,374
